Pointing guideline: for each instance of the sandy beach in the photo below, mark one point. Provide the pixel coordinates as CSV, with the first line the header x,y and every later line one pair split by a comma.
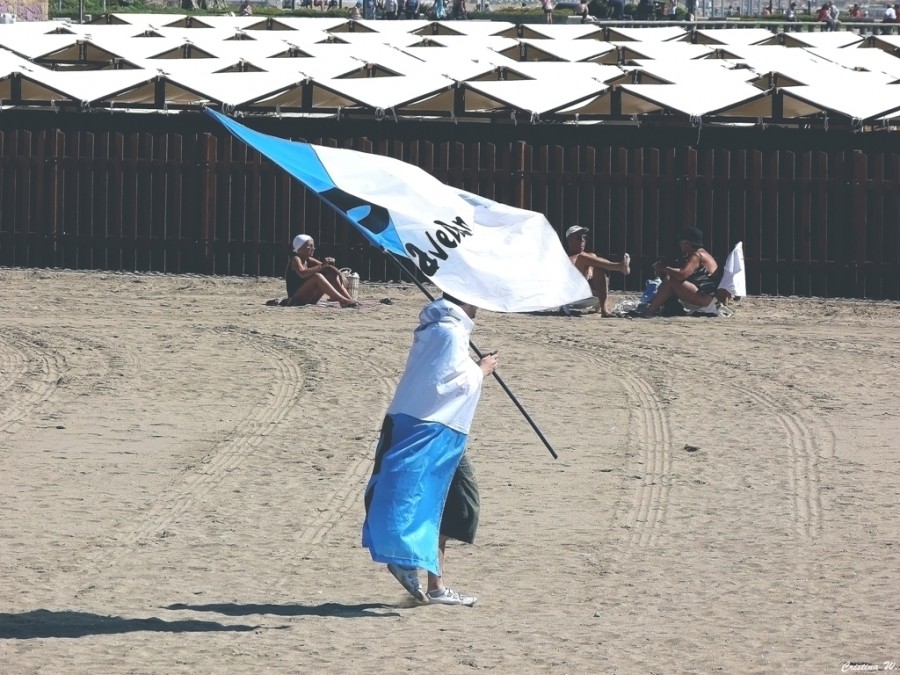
x,y
183,468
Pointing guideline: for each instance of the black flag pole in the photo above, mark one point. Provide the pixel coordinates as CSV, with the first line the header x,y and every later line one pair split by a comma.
x,y
479,354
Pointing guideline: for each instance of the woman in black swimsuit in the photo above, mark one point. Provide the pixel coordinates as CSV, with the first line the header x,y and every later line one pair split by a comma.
x,y
694,283
308,279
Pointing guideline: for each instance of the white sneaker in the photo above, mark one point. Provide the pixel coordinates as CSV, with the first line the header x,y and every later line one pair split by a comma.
x,y
409,579
447,596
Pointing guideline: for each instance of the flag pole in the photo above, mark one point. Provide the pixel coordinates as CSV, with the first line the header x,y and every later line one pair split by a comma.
x,y
479,354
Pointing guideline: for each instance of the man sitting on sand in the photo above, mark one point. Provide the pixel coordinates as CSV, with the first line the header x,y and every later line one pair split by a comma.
x,y
594,268
308,279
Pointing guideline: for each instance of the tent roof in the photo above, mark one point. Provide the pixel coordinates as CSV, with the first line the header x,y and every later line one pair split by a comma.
x,y
561,31
744,36
530,96
315,66
457,64
670,51
873,60
144,19
708,71
862,104
373,93
84,87
646,34
33,46
842,38
479,29
565,50
694,100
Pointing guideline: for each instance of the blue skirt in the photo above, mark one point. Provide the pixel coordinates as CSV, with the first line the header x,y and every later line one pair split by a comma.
x,y
414,465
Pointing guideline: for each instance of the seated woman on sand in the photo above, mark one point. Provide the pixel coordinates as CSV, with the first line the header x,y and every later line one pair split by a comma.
x,y
694,283
308,279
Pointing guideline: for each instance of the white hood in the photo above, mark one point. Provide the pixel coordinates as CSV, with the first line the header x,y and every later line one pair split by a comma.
x,y
441,382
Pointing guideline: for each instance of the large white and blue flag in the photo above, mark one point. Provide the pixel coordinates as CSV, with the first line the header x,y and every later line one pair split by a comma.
x,y
485,253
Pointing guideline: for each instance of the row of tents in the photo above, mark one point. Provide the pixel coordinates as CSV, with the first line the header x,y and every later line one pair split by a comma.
x,y
453,70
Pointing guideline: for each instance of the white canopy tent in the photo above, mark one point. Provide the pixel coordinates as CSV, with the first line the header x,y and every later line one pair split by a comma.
x,y
455,69
860,105
697,100
528,96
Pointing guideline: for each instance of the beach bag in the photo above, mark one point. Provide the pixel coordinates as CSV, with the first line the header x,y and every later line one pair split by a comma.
x,y
353,279
650,288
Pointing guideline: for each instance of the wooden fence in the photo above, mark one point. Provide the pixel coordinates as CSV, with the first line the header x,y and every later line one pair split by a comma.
x,y
818,215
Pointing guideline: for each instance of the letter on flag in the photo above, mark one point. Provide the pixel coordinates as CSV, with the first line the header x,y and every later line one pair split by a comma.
x,y
488,254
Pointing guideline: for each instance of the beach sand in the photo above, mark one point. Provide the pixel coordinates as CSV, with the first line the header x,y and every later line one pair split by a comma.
x,y
183,468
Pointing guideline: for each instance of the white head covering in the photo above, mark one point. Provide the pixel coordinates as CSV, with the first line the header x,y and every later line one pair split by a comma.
x,y
299,241
441,382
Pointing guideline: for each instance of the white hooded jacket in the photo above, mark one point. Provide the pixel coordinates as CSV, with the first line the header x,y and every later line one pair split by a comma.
x,y
441,382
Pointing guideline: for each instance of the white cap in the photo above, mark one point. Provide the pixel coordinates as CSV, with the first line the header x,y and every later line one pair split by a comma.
x,y
575,229
299,241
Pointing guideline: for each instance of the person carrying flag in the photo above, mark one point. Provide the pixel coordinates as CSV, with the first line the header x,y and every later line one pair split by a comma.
x,y
422,491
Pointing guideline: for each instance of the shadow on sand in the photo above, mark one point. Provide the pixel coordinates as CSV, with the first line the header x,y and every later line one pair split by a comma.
x,y
44,623
334,609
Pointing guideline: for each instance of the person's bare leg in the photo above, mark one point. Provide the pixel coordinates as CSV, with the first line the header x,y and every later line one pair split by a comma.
x,y
593,260
685,290
436,581
600,286
308,294
439,594
315,287
662,296
689,293
337,279
336,293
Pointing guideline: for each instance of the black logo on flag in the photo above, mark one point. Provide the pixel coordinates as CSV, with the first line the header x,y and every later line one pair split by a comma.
x,y
376,221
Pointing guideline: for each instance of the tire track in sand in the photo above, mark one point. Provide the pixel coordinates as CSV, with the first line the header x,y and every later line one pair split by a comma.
x,y
348,489
803,459
287,388
13,364
650,425
230,452
651,504
35,373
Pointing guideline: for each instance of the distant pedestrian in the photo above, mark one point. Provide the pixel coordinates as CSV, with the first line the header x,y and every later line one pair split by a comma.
x,y
548,10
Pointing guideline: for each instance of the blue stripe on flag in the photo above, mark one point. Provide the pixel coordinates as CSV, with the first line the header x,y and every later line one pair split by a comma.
x,y
302,162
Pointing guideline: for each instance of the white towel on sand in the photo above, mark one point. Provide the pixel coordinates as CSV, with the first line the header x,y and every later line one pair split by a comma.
x,y
734,280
